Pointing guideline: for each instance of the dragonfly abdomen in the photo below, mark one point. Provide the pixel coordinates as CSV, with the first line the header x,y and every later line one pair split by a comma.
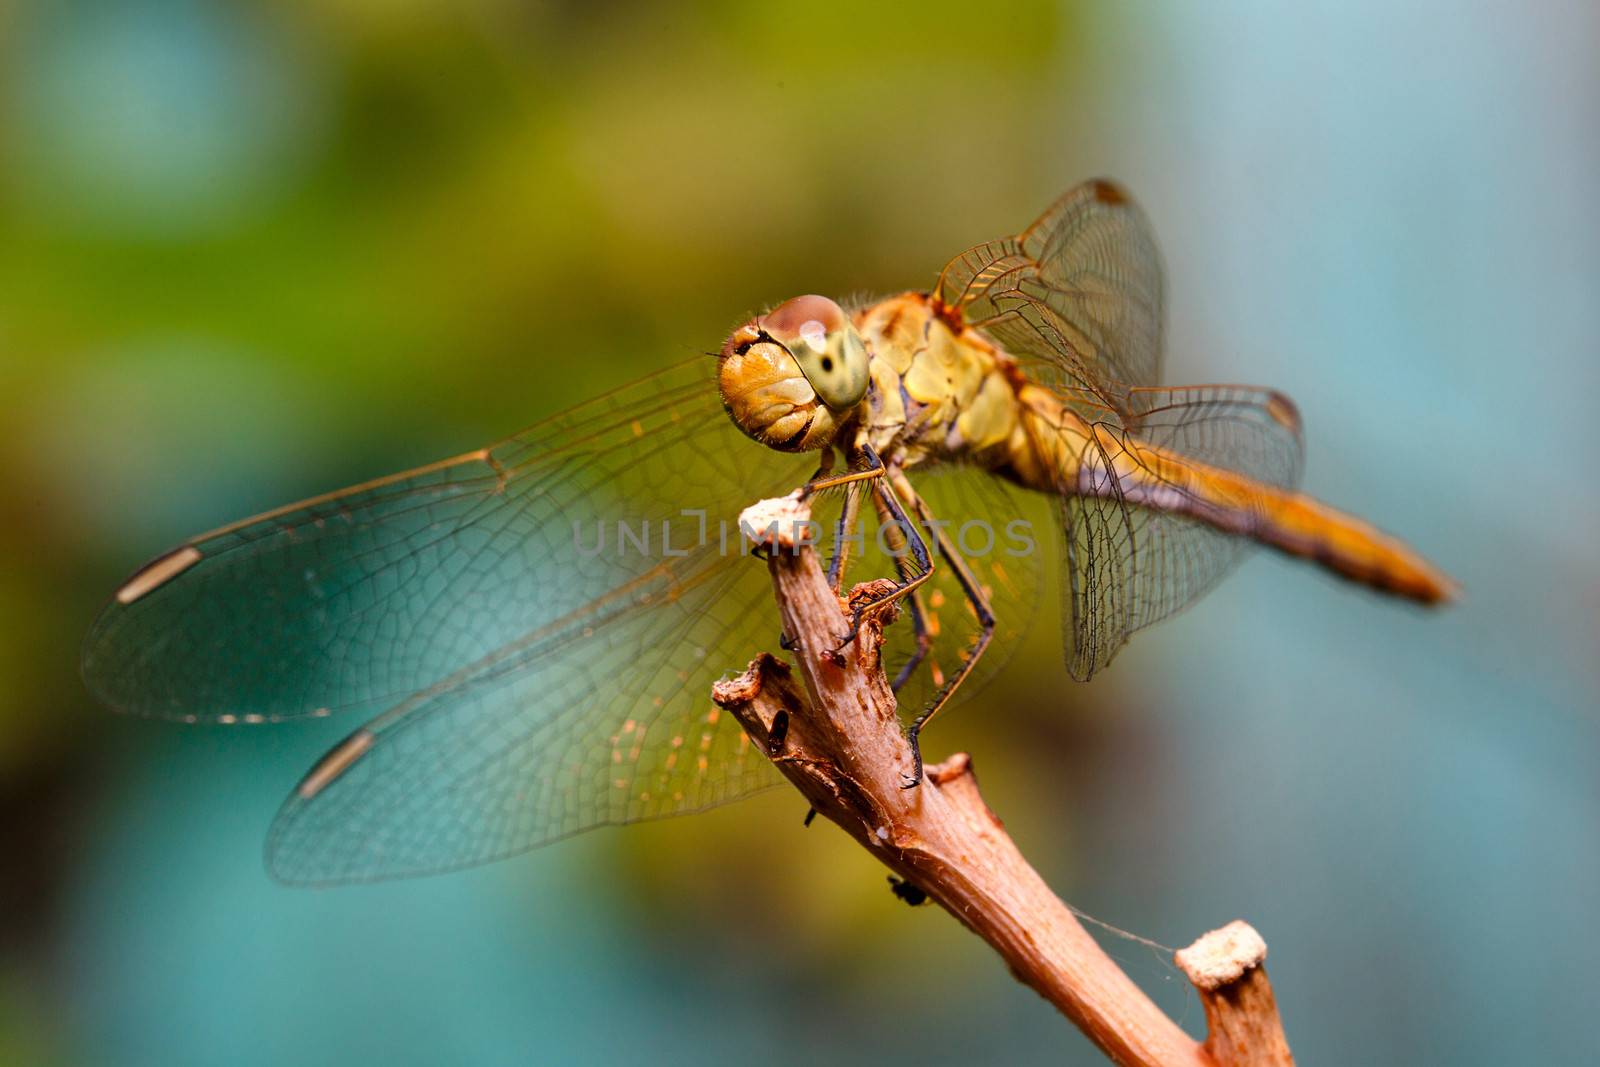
x,y
1067,454
1302,526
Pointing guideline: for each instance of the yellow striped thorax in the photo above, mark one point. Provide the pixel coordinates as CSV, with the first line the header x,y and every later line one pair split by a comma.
x,y
936,394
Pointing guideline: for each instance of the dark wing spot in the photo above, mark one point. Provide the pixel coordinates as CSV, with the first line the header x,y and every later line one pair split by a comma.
x,y
1283,411
1109,192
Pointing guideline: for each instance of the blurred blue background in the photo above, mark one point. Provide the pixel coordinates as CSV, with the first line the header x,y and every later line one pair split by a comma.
x,y
251,252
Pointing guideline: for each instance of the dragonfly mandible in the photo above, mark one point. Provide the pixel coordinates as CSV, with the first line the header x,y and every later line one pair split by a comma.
x,y
521,675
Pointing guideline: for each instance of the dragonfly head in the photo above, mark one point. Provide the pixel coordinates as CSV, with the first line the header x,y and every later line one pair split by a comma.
x,y
792,377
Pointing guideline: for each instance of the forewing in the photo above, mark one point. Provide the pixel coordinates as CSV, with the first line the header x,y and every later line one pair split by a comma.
x,y
1131,566
542,619
1078,292
361,598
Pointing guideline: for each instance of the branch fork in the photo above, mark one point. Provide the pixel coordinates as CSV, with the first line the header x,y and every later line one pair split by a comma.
x,y
831,727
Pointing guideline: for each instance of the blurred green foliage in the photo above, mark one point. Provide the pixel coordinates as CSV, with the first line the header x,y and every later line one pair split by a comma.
x,y
250,252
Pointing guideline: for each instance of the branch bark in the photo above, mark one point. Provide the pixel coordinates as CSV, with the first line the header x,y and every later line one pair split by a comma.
x,y
836,736
1228,968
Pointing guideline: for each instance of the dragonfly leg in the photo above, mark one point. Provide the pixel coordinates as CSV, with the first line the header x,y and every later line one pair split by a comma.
x,y
913,573
919,613
822,481
980,606
824,465
919,627
841,537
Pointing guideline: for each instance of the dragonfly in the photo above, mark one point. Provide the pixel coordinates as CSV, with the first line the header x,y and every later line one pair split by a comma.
x,y
527,633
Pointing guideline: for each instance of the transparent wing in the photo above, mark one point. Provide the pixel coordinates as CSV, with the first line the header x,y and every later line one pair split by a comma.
x,y
515,751
1131,566
541,617
600,719
1078,296
1007,561
361,598
1078,293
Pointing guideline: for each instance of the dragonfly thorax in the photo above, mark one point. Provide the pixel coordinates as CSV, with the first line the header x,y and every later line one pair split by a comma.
x,y
793,377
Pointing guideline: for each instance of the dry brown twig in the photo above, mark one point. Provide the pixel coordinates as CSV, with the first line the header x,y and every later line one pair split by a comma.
x,y
838,739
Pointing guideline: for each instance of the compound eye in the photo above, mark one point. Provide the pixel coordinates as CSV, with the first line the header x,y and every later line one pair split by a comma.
x,y
819,336
804,317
